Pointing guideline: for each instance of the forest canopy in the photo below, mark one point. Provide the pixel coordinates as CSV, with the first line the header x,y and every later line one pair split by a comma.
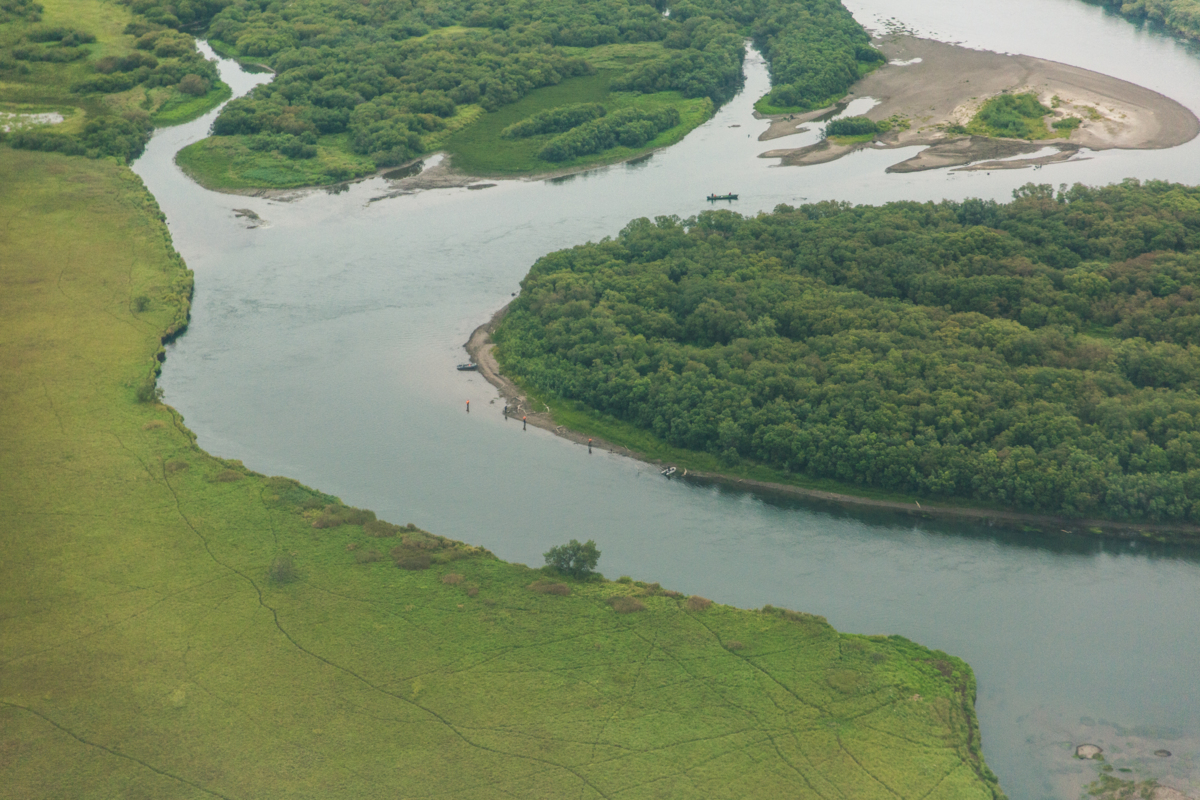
x,y
1042,354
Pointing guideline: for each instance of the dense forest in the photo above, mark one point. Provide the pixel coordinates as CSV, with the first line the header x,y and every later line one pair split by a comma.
x,y
1181,16
391,73
1042,354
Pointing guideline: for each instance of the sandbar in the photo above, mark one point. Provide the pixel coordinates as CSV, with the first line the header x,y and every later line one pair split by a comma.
x,y
934,85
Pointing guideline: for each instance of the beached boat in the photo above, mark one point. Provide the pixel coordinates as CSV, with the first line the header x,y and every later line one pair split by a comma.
x,y
467,366
713,197
668,471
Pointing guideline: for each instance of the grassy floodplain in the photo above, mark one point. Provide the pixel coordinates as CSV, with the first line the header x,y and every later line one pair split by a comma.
x,y
480,150
147,651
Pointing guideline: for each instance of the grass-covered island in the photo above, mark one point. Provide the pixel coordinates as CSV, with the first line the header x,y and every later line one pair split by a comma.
x,y
1039,356
176,626
360,87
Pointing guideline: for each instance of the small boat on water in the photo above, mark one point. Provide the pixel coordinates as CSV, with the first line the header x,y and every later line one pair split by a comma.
x,y
667,471
713,197
469,366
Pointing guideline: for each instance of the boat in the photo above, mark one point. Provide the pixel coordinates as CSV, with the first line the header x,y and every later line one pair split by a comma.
x,y
469,366
713,197
667,471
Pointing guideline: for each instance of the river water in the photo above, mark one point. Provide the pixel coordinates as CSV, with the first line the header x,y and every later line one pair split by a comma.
x,y
323,344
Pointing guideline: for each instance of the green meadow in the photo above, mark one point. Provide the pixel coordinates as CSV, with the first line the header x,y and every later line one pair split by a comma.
x,y
479,149
174,625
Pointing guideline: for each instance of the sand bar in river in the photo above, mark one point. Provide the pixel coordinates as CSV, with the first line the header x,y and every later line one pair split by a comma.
x,y
934,85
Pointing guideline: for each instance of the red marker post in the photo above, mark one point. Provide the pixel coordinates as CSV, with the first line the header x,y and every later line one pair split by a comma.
x,y
468,406
524,423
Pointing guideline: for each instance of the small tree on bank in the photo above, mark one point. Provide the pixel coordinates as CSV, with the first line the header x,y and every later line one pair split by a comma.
x,y
574,559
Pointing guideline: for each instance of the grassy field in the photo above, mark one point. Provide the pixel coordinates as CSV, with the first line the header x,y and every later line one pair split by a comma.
x,y
173,625
480,150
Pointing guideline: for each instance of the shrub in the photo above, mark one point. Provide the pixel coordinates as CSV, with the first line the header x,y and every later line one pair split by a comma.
x,y
555,120
452,578
414,563
1067,123
698,603
546,587
380,529
282,570
472,591
573,558
734,644
629,127
140,303
176,465
367,556
624,604
851,126
193,85
148,392
226,476
625,579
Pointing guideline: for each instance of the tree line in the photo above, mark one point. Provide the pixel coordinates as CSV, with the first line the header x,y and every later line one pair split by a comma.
x,y
1042,354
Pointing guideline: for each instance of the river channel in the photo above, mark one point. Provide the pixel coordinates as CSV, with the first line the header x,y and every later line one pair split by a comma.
x,y
323,343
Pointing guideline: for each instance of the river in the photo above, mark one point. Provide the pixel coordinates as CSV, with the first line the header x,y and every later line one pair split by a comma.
x,y
323,345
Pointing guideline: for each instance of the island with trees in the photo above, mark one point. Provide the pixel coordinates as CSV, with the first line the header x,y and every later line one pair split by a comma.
x,y
1041,355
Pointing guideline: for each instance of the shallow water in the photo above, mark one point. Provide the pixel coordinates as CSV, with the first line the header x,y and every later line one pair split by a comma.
x,y
323,345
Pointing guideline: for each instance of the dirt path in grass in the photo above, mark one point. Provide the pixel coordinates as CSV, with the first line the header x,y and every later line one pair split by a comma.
x,y
518,405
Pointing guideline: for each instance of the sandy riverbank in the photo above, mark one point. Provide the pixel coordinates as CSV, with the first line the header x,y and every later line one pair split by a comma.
x,y
518,405
934,85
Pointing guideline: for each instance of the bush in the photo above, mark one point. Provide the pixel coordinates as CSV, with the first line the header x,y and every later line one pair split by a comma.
x,y
414,562
623,604
193,85
380,529
367,556
698,603
1067,123
282,570
851,126
547,587
629,127
556,120
573,558
452,579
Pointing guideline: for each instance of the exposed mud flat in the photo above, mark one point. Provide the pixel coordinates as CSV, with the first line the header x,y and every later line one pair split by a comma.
x,y
934,85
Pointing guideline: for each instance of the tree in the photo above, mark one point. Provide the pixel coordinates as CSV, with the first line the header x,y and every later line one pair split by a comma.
x,y
574,559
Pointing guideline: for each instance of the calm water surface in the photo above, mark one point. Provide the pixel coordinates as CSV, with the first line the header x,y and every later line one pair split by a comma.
x,y
323,346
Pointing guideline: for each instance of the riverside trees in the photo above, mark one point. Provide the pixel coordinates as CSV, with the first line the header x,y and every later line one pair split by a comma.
x,y
1043,354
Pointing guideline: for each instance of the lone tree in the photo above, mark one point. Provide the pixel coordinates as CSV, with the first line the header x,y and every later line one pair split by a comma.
x,y
573,558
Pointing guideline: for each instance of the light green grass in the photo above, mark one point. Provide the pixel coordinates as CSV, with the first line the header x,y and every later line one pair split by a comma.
x,y
180,108
145,653
480,150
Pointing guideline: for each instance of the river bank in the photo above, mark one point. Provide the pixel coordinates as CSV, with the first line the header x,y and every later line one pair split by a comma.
x,y
935,86
519,406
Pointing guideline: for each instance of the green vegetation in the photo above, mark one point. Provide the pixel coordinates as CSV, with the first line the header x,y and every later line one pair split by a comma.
x,y
574,559
1042,355
482,149
1181,16
175,625
1016,116
630,127
556,120
1013,116
113,74
394,77
852,126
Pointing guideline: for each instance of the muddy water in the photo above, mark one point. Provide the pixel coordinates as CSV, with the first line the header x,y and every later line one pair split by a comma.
x,y
323,345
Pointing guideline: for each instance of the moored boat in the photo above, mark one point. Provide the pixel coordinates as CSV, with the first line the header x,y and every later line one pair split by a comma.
x,y
470,365
713,197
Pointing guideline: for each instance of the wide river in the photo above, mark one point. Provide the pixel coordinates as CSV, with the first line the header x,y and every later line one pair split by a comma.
x,y
323,346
